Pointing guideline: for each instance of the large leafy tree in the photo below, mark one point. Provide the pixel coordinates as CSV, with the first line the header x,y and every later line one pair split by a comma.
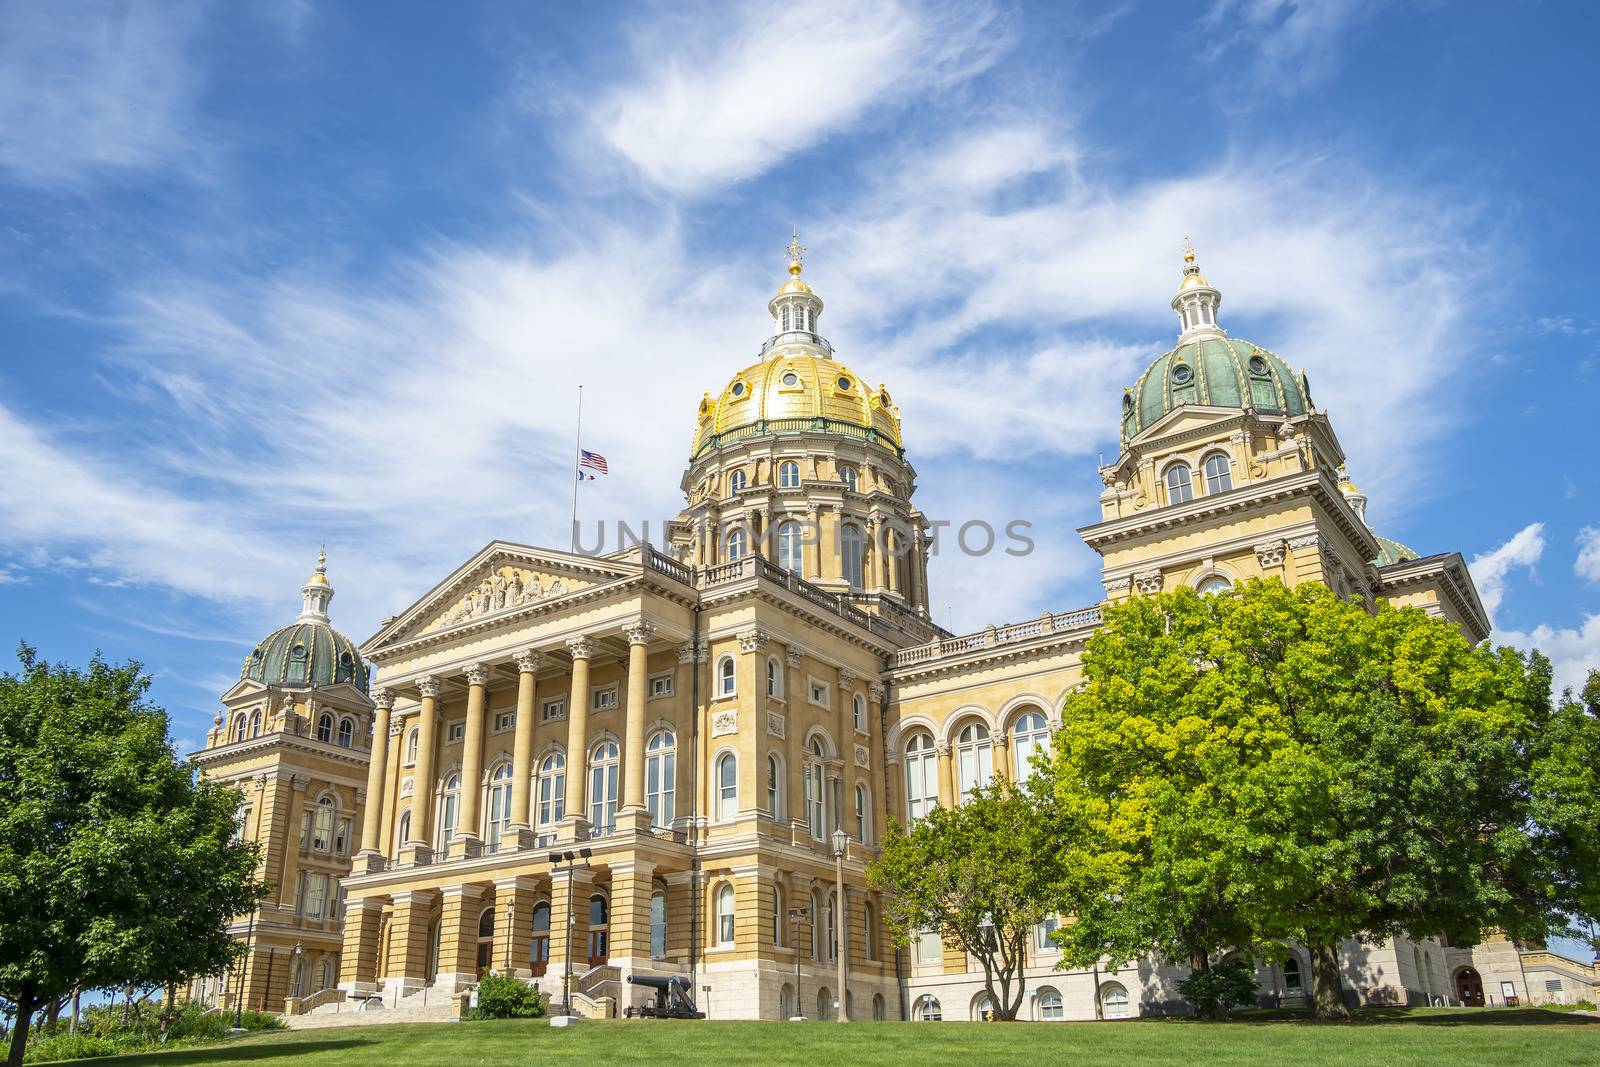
x,y
972,874
1274,764
115,865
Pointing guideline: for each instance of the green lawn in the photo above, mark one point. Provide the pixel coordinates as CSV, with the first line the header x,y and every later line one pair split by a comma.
x,y
1524,1037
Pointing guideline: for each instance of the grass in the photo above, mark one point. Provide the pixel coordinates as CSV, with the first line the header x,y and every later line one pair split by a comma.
x,y
1527,1037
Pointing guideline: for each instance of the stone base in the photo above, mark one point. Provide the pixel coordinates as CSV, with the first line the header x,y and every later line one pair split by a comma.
x,y
369,862
563,1020
415,854
465,847
517,838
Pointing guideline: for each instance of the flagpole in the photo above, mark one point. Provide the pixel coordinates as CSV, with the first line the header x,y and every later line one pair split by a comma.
x,y
577,457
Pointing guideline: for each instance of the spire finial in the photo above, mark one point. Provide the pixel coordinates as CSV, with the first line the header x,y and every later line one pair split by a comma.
x,y
322,559
1189,265
795,250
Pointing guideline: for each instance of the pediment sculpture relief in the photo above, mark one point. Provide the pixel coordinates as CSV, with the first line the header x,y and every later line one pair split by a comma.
x,y
504,589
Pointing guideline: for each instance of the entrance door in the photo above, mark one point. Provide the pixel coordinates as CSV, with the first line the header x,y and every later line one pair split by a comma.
x,y
1469,987
485,941
599,938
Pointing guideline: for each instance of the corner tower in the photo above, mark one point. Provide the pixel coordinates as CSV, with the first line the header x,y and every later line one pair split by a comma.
x,y
798,461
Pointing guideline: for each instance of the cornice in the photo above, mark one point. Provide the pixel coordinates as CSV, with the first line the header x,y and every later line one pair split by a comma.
x,y
270,742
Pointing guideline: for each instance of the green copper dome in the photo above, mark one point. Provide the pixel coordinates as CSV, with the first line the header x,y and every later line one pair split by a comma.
x,y
303,654
1392,552
1214,372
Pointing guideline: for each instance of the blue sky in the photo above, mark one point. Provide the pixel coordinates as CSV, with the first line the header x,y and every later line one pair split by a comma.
x,y
332,273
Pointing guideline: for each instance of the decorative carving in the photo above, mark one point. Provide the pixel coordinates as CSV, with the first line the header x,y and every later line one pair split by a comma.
x,y
686,654
862,756
383,698
775,724
396,727
875,692
638,633
1309,540
527,661
1270,553
428,685
725,722
1118,585
794,655
941,748
753,639
477,674
847,678
408,785
501,591
1148,581
580,647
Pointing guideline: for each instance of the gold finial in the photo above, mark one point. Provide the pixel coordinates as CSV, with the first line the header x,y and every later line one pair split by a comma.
x,y
795,251
1188,254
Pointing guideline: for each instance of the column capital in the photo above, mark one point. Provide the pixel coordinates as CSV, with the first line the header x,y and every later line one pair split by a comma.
x,y
527,661
753,639
383,699
941,748
638,632
428,685
477,674
468,890
875,692
794,655
580,647
686,654
847,678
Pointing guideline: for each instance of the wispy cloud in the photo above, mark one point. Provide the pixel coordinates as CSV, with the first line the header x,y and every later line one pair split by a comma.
x,y
1587,565
1491,569
1296,42
722,99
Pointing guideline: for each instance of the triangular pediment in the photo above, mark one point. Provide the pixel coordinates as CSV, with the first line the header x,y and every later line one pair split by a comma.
x,y
1183,419
501,579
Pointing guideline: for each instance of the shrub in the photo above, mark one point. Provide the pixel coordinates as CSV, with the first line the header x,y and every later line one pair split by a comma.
x,y
78,1046
1214,991
501,996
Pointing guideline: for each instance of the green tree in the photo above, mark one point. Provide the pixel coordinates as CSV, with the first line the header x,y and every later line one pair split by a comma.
x,y
1272,765
972,874
115,865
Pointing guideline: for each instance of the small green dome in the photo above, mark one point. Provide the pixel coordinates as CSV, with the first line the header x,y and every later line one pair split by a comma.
x,y
1214,372
1392,552
304,654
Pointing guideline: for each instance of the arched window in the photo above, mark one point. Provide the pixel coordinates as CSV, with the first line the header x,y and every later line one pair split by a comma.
x,y
1050,1007
983,1010
927,1009
816,799
1180,487
788,317
347,733
858,713
599,932
736,482
411,746
449,806
824,1004
869,930
255,724
1214,584
850,477
299,989
1114,1000
877,1007
725,915
861,812
774,678
403,834
1291,974
974,757
736,544
922,777
788,475
727,786
1219,473
539,952
725,677
786,1002
552,789
239,722
774,786
499,808
850,554
661,776
322,826
324,975
603,785
1030,735
658,924
791,547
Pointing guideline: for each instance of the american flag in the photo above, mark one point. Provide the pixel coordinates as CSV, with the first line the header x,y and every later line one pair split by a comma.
x,y
593,460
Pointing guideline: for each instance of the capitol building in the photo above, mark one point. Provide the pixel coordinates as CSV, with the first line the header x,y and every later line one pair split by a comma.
x,y
685,727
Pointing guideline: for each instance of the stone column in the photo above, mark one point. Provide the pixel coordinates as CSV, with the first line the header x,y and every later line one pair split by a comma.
x,y
947,785
516,943
1000,754
880,554
794,695
288,888
458,936
470,843
423,783
582,648
394,743
630,912
812,548
408,939
363,926
377,780
577,886
633,815
748,742
519,833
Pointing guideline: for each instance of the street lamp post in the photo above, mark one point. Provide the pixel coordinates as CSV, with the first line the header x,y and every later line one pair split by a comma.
x,y
511,917
797,916
840,841
567,862
294,971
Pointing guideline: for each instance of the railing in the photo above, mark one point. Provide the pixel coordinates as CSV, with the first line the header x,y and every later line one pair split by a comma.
x,y
811,424
995,636
1546,958
302,1005
660,561
783,337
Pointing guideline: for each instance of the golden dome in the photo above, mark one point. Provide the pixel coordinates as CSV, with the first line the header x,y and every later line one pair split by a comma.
x,y
1192,278
320,575
797,393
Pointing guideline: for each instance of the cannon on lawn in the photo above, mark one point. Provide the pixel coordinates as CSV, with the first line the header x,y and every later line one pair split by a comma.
x,y
673,1000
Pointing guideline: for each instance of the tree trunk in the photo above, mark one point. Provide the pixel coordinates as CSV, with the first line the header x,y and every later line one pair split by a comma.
x,y
19,1033
53,1014
1327,988
166,1009
1200,962
77,1009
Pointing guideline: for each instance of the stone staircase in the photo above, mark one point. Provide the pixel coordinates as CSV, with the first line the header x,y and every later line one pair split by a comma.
x,y
423,1006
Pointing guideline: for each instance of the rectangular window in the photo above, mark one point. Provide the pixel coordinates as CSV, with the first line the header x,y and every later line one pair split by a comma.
x,y
818,692
1042,934
239,822
661,685
456,731
504,720
553,710
316,898
604,698
929,948
305,829
341,840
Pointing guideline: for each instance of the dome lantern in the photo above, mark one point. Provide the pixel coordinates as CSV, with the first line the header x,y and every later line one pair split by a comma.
x,y
796,308
1197,302
316,593
308,652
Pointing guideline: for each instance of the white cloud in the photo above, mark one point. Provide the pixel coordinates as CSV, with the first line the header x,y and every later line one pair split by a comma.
x,y
1587,565
1296,42
1491,569
91,88
1573,653
723,98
